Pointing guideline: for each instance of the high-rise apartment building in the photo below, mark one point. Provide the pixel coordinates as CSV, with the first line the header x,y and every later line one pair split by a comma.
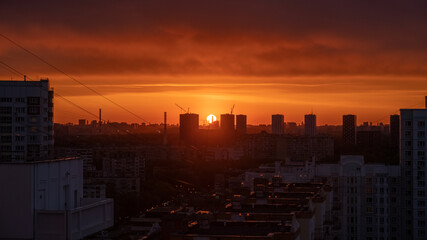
x,y
310,125
188,127
277,124
413,150
227,125
366,198
349,123
26,121
395,136
241,123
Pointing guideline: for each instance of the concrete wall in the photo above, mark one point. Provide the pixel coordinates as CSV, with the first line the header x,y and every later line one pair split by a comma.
x,y
58,184
42,185
16,201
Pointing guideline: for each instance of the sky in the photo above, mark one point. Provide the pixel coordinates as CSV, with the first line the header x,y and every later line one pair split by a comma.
x,y
331,58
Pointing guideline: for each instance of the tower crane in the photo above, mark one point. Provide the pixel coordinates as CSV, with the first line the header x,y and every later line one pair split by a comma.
x,y
232,109
185,111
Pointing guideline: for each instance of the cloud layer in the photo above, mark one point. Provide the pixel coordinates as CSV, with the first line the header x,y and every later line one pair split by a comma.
x,y
358,48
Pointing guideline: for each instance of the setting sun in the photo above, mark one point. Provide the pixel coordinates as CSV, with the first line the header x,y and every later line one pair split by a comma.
x,y
211,118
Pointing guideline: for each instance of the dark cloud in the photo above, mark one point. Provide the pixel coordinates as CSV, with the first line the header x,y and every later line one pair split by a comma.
x,y
250,38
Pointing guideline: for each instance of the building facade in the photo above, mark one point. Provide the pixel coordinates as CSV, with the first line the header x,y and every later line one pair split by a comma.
x,y
413,165
277,124
26,121
241,124
188,127
227,124
46,201
349,123
366,198
310,125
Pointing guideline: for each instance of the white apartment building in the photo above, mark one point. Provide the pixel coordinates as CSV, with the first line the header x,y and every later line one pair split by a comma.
x,y
366,198
413,127
44,200
26,121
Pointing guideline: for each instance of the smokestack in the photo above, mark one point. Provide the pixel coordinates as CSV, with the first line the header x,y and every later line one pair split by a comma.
x,y
100,119
426,101
25,78
165,136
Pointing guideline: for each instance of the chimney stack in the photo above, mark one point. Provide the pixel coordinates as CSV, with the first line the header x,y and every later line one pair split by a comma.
x,y
165,136
100,119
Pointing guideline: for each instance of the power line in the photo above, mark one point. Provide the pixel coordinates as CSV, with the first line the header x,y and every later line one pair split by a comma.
x,y
71,77
15,71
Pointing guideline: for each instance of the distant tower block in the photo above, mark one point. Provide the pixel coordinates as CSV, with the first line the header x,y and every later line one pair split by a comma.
x,y
349,123
227,124
100,118
241,122
277,124
310,125
165,135
188,127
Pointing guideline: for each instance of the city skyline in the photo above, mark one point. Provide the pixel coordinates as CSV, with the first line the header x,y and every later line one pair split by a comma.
x,y
280,60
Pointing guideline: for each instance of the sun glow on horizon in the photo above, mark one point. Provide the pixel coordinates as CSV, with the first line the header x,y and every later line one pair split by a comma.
x,y
211,118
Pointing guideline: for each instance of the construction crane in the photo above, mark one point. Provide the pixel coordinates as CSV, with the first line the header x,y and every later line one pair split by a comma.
x,y
186,111
232,109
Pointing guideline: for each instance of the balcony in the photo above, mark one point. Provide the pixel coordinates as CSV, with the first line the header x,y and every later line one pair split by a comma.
x,y
92,216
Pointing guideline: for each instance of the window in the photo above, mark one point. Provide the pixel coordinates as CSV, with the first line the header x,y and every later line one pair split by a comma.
x,y
5,99
421,133
19,119
421,143
421,124
408,123
5,129
19,138
408,143
5,119
33,101
19,148
20,100
33,110
5,110
408,153
5,139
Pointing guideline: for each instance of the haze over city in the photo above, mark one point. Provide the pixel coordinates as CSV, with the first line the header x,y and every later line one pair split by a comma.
x,y
332,57
236,119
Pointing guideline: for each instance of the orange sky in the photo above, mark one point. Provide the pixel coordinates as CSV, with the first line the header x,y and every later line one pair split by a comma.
x,y
289,57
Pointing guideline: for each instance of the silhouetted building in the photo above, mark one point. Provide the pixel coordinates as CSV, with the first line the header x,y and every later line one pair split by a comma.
x,y
26,120
413,150
82,122
310,125
227,125
349,129
241,123
394,134
188,127
291,128
277,123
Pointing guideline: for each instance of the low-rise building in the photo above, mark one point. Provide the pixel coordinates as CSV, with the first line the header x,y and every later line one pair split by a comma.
x,y
44,200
